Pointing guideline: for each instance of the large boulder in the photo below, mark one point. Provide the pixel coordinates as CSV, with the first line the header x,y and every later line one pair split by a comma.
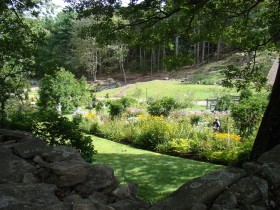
x,y
13,167
67,173
62,153
272,156
245,192
29,149
14,195
200,190
99,178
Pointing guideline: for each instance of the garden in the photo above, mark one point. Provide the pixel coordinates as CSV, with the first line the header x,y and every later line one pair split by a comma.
x,y
167,125
138,132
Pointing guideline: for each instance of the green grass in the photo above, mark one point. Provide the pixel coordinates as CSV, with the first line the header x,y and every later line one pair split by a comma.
x,y
157,175
171,88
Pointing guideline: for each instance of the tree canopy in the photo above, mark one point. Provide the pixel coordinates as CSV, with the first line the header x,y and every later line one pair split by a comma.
x,y
20,36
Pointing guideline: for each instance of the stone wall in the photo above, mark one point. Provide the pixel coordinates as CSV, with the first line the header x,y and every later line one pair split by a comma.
x,y
35,176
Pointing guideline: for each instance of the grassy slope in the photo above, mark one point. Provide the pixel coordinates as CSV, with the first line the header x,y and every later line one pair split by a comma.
x,y
208,72
171,88
157,175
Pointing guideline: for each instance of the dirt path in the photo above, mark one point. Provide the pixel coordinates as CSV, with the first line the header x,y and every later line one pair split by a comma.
x,y
272,72
122,92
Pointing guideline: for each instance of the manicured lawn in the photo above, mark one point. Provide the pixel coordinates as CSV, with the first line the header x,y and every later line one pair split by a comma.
x,y
157,175
171,88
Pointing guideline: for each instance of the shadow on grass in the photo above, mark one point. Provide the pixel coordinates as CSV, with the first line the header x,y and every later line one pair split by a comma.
x,y
157,175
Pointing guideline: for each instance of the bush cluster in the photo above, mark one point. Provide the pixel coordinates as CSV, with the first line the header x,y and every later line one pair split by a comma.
x,y
54,129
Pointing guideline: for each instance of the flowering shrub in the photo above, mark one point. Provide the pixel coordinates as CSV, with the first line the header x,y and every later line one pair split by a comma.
x,y
227,136
224,141
154,130
162,106
134,112
178,147
90,115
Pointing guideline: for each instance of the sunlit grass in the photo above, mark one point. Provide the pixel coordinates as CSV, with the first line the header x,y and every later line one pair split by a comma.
x,y
157,175
171,88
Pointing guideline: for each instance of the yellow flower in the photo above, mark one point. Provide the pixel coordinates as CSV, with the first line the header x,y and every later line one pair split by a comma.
x,y
90,115
226,136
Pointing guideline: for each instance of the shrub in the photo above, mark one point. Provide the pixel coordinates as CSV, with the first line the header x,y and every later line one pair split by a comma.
x,y
248,114
195,119
58,130
127,101
21,119
225,140
224,103
114,130
63,88
154,130
116,108
245,94
77,119
162,106
178,147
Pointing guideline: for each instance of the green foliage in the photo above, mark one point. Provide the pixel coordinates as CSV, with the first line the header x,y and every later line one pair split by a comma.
x,y
245,94
176,62
116,108
57,51
114,130
224,103
162,106
63,88
77,119
21,119
155,131
127,101
58,130
248,114
19,41
241,78
178,147
195,119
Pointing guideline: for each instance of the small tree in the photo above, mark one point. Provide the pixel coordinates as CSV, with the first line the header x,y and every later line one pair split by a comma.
x,y
63,88
162,106
248,114
224,103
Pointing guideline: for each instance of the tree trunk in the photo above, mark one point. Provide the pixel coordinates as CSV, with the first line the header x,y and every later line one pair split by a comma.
x,y
194,51
163,57
219,49
140,59
95,67
158,59
176,45
208,51
198,53
203,52
123,71
152,61
269,133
